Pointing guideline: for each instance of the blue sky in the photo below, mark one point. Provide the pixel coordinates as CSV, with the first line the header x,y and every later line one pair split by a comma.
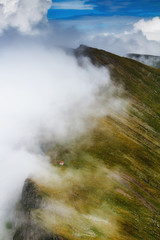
x,y
74,9
113,25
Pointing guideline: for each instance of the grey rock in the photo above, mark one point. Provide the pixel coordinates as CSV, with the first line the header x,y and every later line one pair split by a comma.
x,y
31,198
32,231
28,229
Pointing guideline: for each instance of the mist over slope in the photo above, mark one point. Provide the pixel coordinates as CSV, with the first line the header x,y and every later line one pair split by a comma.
x,y
150,60
47,98
79,131
108,187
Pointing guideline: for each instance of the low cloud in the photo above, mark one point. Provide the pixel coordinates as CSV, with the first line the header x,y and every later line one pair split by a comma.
x,y
142,37
45,96
122,44
118,35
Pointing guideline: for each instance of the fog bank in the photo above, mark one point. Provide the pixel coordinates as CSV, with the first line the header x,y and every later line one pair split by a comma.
x,y
45,96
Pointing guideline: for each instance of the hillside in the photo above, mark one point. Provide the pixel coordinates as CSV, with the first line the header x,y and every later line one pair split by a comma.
x,y
109,186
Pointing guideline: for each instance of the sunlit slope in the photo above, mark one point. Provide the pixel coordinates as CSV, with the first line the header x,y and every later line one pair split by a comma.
x,y
141,82
109,186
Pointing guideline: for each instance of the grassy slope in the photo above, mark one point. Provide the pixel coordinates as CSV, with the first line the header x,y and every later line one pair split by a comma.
x,y
110,185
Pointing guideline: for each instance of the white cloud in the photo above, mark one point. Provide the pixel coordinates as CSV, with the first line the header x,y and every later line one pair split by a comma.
x,y
22,15
45,95
150,28
73,5
118,35
121,44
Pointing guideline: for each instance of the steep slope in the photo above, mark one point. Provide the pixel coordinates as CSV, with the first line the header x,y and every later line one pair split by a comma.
x,y
141,82
109,186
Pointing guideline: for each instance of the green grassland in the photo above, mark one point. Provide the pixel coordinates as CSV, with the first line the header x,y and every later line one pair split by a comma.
x,y
109,186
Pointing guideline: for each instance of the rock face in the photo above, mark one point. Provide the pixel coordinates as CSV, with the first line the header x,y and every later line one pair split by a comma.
x,y
31,198
29,230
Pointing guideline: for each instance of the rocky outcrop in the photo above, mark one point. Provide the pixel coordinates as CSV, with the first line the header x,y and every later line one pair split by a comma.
x,y
29,230
32,231
31,198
